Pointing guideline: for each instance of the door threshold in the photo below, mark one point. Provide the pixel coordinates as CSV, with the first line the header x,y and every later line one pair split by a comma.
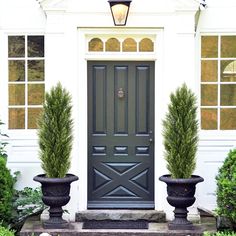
x,y
118,214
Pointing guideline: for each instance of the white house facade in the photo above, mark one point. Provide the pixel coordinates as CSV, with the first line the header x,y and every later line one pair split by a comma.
x,y
164,44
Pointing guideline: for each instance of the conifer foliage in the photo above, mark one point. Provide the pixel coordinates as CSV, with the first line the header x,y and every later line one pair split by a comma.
x,y
55,132
180,133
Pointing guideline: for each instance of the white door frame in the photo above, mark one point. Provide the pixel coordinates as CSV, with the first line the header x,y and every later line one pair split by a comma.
x,y
80,93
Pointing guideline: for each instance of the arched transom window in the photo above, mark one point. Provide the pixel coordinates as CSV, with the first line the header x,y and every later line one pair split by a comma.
x,y
121,44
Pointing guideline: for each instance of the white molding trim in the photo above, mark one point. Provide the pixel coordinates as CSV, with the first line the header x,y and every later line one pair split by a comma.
x,y
53,5
186,5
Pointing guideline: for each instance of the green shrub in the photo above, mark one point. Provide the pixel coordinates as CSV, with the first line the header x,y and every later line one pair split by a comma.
x,y
6,184
6,192
27,202
6,232
226,233
180,133
226,188
3,152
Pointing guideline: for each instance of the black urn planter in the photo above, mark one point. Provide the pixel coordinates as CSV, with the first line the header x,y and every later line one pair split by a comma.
x,y
56,193
181,195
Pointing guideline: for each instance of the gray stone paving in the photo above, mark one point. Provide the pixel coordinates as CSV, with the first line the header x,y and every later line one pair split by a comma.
x,y
33,227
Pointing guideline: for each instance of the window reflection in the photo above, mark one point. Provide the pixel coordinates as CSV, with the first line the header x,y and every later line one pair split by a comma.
x,y
209,71
209,94
16,70
228,95
16,118
228,71
228,46
208,119
35,46
16,46
228,119
209,46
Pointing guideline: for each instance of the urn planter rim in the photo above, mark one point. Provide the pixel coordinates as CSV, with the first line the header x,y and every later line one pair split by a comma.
x,y
68,178
193,179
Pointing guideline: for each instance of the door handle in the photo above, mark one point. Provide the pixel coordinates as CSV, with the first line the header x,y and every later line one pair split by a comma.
x,y
151,136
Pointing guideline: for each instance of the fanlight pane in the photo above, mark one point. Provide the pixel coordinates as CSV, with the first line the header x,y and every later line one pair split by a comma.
x,y
112,45
146,45
129,45
95,45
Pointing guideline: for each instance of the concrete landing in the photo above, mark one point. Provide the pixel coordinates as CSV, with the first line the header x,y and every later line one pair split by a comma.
x,y
34,227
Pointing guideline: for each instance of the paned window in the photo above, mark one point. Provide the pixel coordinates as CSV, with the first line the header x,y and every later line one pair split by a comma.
x,y
218,82
25,80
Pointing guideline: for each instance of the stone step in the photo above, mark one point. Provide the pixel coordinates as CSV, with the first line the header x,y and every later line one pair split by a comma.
x,y
34,227
128,215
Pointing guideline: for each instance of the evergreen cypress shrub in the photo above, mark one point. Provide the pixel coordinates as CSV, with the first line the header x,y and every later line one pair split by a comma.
x,y
55,132
180,133
226,188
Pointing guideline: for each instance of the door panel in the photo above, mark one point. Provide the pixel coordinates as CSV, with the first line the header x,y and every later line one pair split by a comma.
x,y
120,134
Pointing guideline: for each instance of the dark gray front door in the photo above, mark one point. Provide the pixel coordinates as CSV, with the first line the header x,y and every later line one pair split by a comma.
x,y
120,134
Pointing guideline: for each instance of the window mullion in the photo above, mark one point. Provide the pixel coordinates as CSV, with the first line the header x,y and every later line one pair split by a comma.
x,y
26,83
219,84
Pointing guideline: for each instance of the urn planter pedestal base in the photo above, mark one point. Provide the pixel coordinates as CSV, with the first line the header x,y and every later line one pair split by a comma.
x,y
180,222
55,219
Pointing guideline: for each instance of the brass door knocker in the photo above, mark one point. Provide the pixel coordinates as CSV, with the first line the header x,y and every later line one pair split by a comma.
x,y
121,93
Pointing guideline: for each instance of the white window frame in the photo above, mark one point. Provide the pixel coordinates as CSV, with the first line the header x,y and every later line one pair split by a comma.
x,y
213,134
21,132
